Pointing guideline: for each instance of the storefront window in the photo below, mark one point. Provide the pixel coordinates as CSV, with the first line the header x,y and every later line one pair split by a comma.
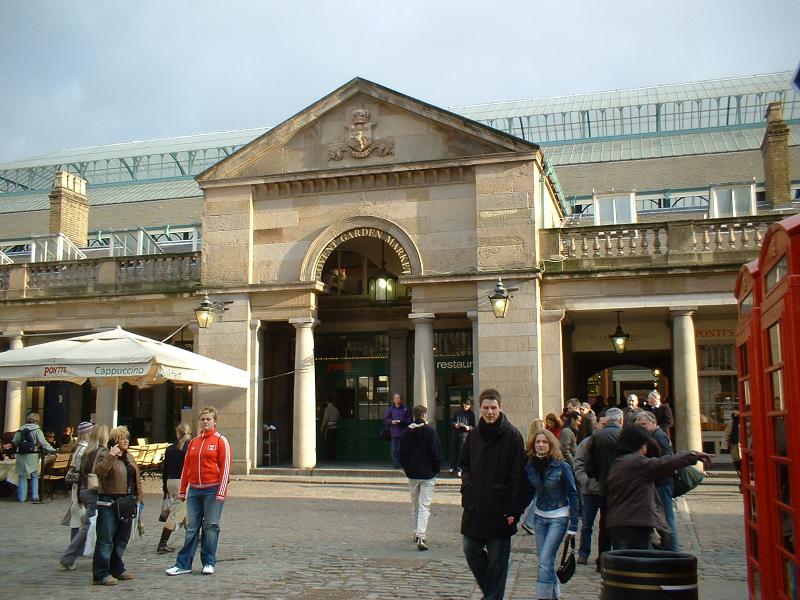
x,y
717,401
718,385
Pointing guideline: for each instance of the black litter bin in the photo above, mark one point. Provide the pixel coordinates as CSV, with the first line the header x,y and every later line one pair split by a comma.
x,y
648,575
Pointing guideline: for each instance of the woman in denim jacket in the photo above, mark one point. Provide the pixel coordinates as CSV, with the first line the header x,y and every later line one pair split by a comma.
x,y
556,506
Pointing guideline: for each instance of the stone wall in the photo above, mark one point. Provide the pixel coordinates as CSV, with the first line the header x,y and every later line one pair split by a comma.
x,y
683,172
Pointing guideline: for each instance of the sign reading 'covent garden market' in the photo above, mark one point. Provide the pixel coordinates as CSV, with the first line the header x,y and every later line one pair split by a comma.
x,y
359,232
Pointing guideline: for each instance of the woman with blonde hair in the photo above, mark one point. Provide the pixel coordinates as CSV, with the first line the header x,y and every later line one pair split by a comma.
x,y
171,478
555,507
119,494
87,498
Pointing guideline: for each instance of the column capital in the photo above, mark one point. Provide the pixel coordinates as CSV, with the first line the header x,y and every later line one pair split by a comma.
x,y
682,311
300,322
552,314
472,315
255,324
422,317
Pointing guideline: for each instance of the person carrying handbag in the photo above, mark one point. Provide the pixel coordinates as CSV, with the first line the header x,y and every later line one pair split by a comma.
x,y
173,510
98,438
120,490
555,509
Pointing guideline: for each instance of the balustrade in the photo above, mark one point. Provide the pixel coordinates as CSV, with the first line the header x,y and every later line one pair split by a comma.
x,y
672,240
159,272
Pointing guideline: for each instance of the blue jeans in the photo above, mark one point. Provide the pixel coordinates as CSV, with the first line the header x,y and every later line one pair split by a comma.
x,y
396,451
112,539
75,549
668,504
549,534
488,561
202,515
22,487
591,504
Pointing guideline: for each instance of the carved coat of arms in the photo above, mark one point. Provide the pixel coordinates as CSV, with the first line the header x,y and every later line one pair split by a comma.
x,y
360,142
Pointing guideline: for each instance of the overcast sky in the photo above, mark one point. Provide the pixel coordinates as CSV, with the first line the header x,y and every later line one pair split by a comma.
x,y
92,72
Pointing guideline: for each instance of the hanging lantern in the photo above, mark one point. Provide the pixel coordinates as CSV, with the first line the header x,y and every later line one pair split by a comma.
x,y
383,285
619,338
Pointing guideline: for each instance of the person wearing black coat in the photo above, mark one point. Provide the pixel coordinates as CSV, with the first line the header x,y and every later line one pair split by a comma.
x,y
173,509
421,459
461,424
494,493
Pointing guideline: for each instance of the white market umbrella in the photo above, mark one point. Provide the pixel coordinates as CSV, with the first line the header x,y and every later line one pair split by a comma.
x,y
117,356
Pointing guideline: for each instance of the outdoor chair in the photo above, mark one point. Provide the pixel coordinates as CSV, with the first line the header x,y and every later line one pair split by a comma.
x,y
54,473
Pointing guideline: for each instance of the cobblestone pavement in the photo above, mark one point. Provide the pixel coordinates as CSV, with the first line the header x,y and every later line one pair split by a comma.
x,y
306,541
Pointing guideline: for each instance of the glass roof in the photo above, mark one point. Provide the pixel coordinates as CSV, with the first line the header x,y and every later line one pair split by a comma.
x,y
660,146
667,120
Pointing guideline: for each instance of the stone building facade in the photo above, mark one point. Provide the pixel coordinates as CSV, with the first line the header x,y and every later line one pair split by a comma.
x,y
357,244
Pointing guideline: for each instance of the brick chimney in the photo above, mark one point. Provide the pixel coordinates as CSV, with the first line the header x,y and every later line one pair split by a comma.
x,y
69,208
775,153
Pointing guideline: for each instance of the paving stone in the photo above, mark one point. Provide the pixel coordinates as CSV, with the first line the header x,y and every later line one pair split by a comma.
x,y
299,541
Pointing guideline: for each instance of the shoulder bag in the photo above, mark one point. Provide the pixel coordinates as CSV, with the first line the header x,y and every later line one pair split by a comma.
x,y
92,480
685,480
566,569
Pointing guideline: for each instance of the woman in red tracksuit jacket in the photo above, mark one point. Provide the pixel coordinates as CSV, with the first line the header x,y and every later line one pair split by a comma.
x,y
206,474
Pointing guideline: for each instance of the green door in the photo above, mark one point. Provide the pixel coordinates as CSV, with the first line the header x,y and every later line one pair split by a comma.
x,y
360,390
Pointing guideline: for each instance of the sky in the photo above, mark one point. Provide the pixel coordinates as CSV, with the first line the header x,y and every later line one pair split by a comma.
x,y
77,74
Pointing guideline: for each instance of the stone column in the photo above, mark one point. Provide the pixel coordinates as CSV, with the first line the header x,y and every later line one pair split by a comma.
x,y
476,384
685,387
424,368
159,432
552,363
105,412
256,417
304,436
15,393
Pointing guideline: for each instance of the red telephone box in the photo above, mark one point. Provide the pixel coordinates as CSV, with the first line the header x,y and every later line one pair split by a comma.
x,y
768,345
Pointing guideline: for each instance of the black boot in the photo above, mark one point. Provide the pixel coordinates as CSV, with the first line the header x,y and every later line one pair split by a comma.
x,y
163,548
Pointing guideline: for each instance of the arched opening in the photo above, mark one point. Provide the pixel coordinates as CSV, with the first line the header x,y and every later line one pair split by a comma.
x,y
362,345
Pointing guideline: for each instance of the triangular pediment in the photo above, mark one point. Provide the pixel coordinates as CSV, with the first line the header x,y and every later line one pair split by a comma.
x,y
363,124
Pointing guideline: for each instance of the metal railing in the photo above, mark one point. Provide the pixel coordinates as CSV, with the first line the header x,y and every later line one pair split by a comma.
x,y
53,246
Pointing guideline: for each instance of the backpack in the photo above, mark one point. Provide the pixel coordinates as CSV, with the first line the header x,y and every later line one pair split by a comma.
x,y
26,445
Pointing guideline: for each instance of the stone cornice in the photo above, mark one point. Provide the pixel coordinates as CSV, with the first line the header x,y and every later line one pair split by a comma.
x,y
282,286
418,173
506,275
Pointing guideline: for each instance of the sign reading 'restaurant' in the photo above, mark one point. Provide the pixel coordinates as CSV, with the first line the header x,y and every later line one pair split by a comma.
x,y
359,232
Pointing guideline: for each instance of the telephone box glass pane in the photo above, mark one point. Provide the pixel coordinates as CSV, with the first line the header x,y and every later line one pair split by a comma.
x,y
789,577
754,542
784,490
787,530
746,393
777,389
775,344
747,433
753,506
779,435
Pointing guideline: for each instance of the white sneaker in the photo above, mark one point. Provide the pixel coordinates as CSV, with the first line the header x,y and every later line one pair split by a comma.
x,y
176,570
208,569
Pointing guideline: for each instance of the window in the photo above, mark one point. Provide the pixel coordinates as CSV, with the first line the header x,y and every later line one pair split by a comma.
x,y
717,385
732,201
613,209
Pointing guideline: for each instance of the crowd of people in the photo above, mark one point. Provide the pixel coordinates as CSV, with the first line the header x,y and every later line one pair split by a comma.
x,y
594,458
107,496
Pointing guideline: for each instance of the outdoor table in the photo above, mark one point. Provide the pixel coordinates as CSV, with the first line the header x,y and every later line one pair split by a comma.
x,y
8,471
